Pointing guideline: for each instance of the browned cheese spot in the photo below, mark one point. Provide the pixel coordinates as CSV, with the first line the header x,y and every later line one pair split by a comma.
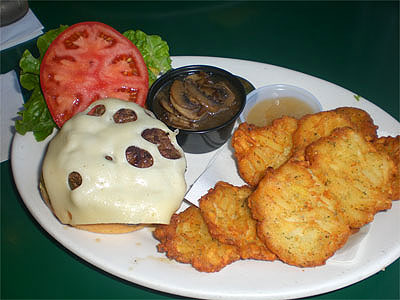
x,y
124,115
138,157
160,138
97,111
74,180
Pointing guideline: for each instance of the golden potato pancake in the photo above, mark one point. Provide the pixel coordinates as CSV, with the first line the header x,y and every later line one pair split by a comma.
x,y
187,239
228,217
314,126
362,121
391,146
296,220
260,148
356,174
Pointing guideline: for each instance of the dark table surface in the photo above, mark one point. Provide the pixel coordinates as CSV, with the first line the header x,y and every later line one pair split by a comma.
x,y
352,44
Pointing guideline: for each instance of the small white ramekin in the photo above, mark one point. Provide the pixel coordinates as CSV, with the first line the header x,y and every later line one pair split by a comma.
x,y
279,91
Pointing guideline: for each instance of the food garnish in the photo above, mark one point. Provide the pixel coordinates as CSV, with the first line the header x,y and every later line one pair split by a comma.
x,y
90,61
154,50
36,116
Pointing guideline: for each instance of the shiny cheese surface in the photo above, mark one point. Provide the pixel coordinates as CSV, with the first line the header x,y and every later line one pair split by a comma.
x,y
112,190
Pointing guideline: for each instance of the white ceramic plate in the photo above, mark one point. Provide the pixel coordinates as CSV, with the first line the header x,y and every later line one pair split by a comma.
x,y
134,256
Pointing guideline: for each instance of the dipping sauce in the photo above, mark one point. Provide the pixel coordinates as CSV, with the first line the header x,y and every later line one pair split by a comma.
x,y
265,111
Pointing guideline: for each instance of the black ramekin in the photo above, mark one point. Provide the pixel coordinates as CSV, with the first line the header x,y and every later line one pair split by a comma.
x,y
200,141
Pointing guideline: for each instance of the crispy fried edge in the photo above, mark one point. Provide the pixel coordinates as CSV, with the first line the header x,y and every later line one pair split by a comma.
x,y
257,202
391,146
318,120
362,121
338,133
246,140
167,235
228,232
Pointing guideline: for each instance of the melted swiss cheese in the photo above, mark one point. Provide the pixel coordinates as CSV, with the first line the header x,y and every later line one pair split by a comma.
x,y
112,191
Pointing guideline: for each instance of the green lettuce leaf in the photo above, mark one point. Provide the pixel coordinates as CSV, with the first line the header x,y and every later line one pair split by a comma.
x,y
154,50
36,116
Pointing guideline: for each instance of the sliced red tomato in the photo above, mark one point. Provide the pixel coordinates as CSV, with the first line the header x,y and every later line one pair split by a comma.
x,y
90,61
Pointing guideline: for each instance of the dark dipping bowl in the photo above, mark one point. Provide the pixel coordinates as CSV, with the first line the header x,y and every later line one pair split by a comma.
x,y
204,140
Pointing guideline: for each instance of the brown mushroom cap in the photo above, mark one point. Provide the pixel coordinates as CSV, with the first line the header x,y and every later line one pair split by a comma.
x,y
195,91
197,100
183,104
